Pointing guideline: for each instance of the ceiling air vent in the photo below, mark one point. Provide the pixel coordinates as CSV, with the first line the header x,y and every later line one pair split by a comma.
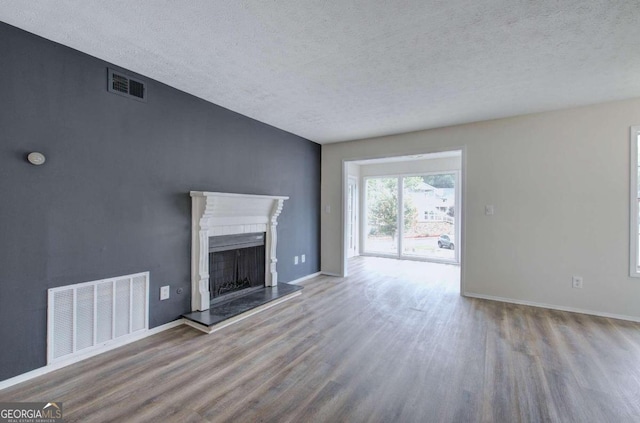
x,y
124,85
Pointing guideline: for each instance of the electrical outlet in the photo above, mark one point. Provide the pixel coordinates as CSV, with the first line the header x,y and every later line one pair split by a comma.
x,y
295,260
164,293
303,258
576,282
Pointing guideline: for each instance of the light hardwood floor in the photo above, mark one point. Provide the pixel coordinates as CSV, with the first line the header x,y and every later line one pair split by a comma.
x,y
394,342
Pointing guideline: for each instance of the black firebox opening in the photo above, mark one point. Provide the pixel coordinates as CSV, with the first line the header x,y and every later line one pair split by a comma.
x,y
236,263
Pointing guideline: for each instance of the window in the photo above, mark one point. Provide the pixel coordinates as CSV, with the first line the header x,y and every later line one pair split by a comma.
x,y
634,208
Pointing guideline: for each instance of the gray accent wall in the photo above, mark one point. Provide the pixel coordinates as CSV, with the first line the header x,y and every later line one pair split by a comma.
x,y
113,196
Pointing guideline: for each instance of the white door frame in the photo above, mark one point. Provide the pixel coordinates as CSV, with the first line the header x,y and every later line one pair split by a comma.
x,y
353,221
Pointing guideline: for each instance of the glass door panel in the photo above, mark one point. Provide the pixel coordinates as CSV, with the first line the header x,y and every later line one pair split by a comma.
x,y
381,221
429,216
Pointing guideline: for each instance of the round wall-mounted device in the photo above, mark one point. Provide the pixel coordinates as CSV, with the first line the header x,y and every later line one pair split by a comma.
x,y
36,158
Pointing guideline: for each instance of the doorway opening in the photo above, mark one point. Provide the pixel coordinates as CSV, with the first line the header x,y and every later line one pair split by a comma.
x,y
408,207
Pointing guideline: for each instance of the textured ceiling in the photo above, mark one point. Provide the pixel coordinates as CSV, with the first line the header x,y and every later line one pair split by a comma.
x,y
337,70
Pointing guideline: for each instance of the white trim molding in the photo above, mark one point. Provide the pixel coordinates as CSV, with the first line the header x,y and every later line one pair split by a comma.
x,y
304,278
634,221
220,213
552,307
332,274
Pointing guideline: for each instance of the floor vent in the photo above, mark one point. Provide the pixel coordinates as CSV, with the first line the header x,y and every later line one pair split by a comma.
x,y
119,83
93,315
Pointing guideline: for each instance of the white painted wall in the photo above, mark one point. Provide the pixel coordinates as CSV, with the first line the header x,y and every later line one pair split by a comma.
x,y
559,182
413,167
353,170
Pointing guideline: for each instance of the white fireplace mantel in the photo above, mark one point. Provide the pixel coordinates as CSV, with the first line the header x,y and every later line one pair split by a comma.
x,y
219,213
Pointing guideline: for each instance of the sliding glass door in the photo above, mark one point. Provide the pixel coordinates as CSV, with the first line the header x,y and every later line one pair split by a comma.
x,y
412,216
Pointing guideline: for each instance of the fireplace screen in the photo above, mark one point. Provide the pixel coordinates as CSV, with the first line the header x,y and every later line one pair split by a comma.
x,y
236,262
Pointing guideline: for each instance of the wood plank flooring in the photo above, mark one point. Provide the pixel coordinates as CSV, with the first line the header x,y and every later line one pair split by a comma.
x,y
394,342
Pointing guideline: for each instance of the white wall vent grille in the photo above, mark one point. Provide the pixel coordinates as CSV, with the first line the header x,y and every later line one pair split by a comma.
x,y
92,315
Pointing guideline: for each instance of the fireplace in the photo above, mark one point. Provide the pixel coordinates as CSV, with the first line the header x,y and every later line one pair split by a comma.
x,y
236,264
219,218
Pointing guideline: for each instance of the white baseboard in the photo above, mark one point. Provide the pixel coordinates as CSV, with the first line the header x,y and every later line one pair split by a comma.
x,y
58,365
552,307
304,278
